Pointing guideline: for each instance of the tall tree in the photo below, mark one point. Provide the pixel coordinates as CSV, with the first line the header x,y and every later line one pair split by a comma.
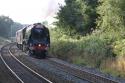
x,y
5,26
112,14
78,15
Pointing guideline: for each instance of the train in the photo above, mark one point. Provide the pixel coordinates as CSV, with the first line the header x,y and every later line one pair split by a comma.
x,y
34,39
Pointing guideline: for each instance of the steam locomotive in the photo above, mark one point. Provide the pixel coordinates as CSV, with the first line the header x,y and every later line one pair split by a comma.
x,y
34,39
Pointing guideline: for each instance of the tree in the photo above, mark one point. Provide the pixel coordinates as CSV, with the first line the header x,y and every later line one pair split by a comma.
x,y
5,26
112,15
15,26
78,15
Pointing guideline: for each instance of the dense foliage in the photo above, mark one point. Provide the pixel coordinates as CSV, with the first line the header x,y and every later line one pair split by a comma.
x,y
78,15
112,15
104,46
8,27
5,26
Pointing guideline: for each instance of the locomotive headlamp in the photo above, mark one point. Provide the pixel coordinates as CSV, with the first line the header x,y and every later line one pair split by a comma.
x,y
39,45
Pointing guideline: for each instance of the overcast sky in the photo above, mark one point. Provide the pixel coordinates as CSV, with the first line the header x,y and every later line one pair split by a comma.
x,y
29,11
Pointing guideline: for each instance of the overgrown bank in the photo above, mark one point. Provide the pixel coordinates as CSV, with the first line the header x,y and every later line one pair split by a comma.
x,y
102,50
91,33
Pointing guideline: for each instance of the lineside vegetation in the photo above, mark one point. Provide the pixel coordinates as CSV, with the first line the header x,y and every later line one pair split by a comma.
x,y
91,33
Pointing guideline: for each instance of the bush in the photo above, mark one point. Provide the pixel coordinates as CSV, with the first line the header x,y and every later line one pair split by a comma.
x,y
100,49
92,49
119,47
95,50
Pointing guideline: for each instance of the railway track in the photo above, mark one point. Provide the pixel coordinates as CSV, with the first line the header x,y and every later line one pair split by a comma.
x,y
68,68
82,74
23,73
5,75
55,77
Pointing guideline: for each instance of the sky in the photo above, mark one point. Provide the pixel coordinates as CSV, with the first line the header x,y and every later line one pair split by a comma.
x,y
30,11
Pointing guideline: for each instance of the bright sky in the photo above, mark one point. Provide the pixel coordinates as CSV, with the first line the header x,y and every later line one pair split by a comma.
x,y
29,11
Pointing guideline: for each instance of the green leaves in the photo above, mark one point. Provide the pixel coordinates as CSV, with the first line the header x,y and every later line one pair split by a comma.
x,y
119,47
78,15
111,14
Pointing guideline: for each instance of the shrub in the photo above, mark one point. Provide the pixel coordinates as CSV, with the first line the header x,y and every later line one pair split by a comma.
x,y
119,47
99,49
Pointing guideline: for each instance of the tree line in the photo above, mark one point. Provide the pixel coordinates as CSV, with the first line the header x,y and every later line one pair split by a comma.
x,y
8,27
84,16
